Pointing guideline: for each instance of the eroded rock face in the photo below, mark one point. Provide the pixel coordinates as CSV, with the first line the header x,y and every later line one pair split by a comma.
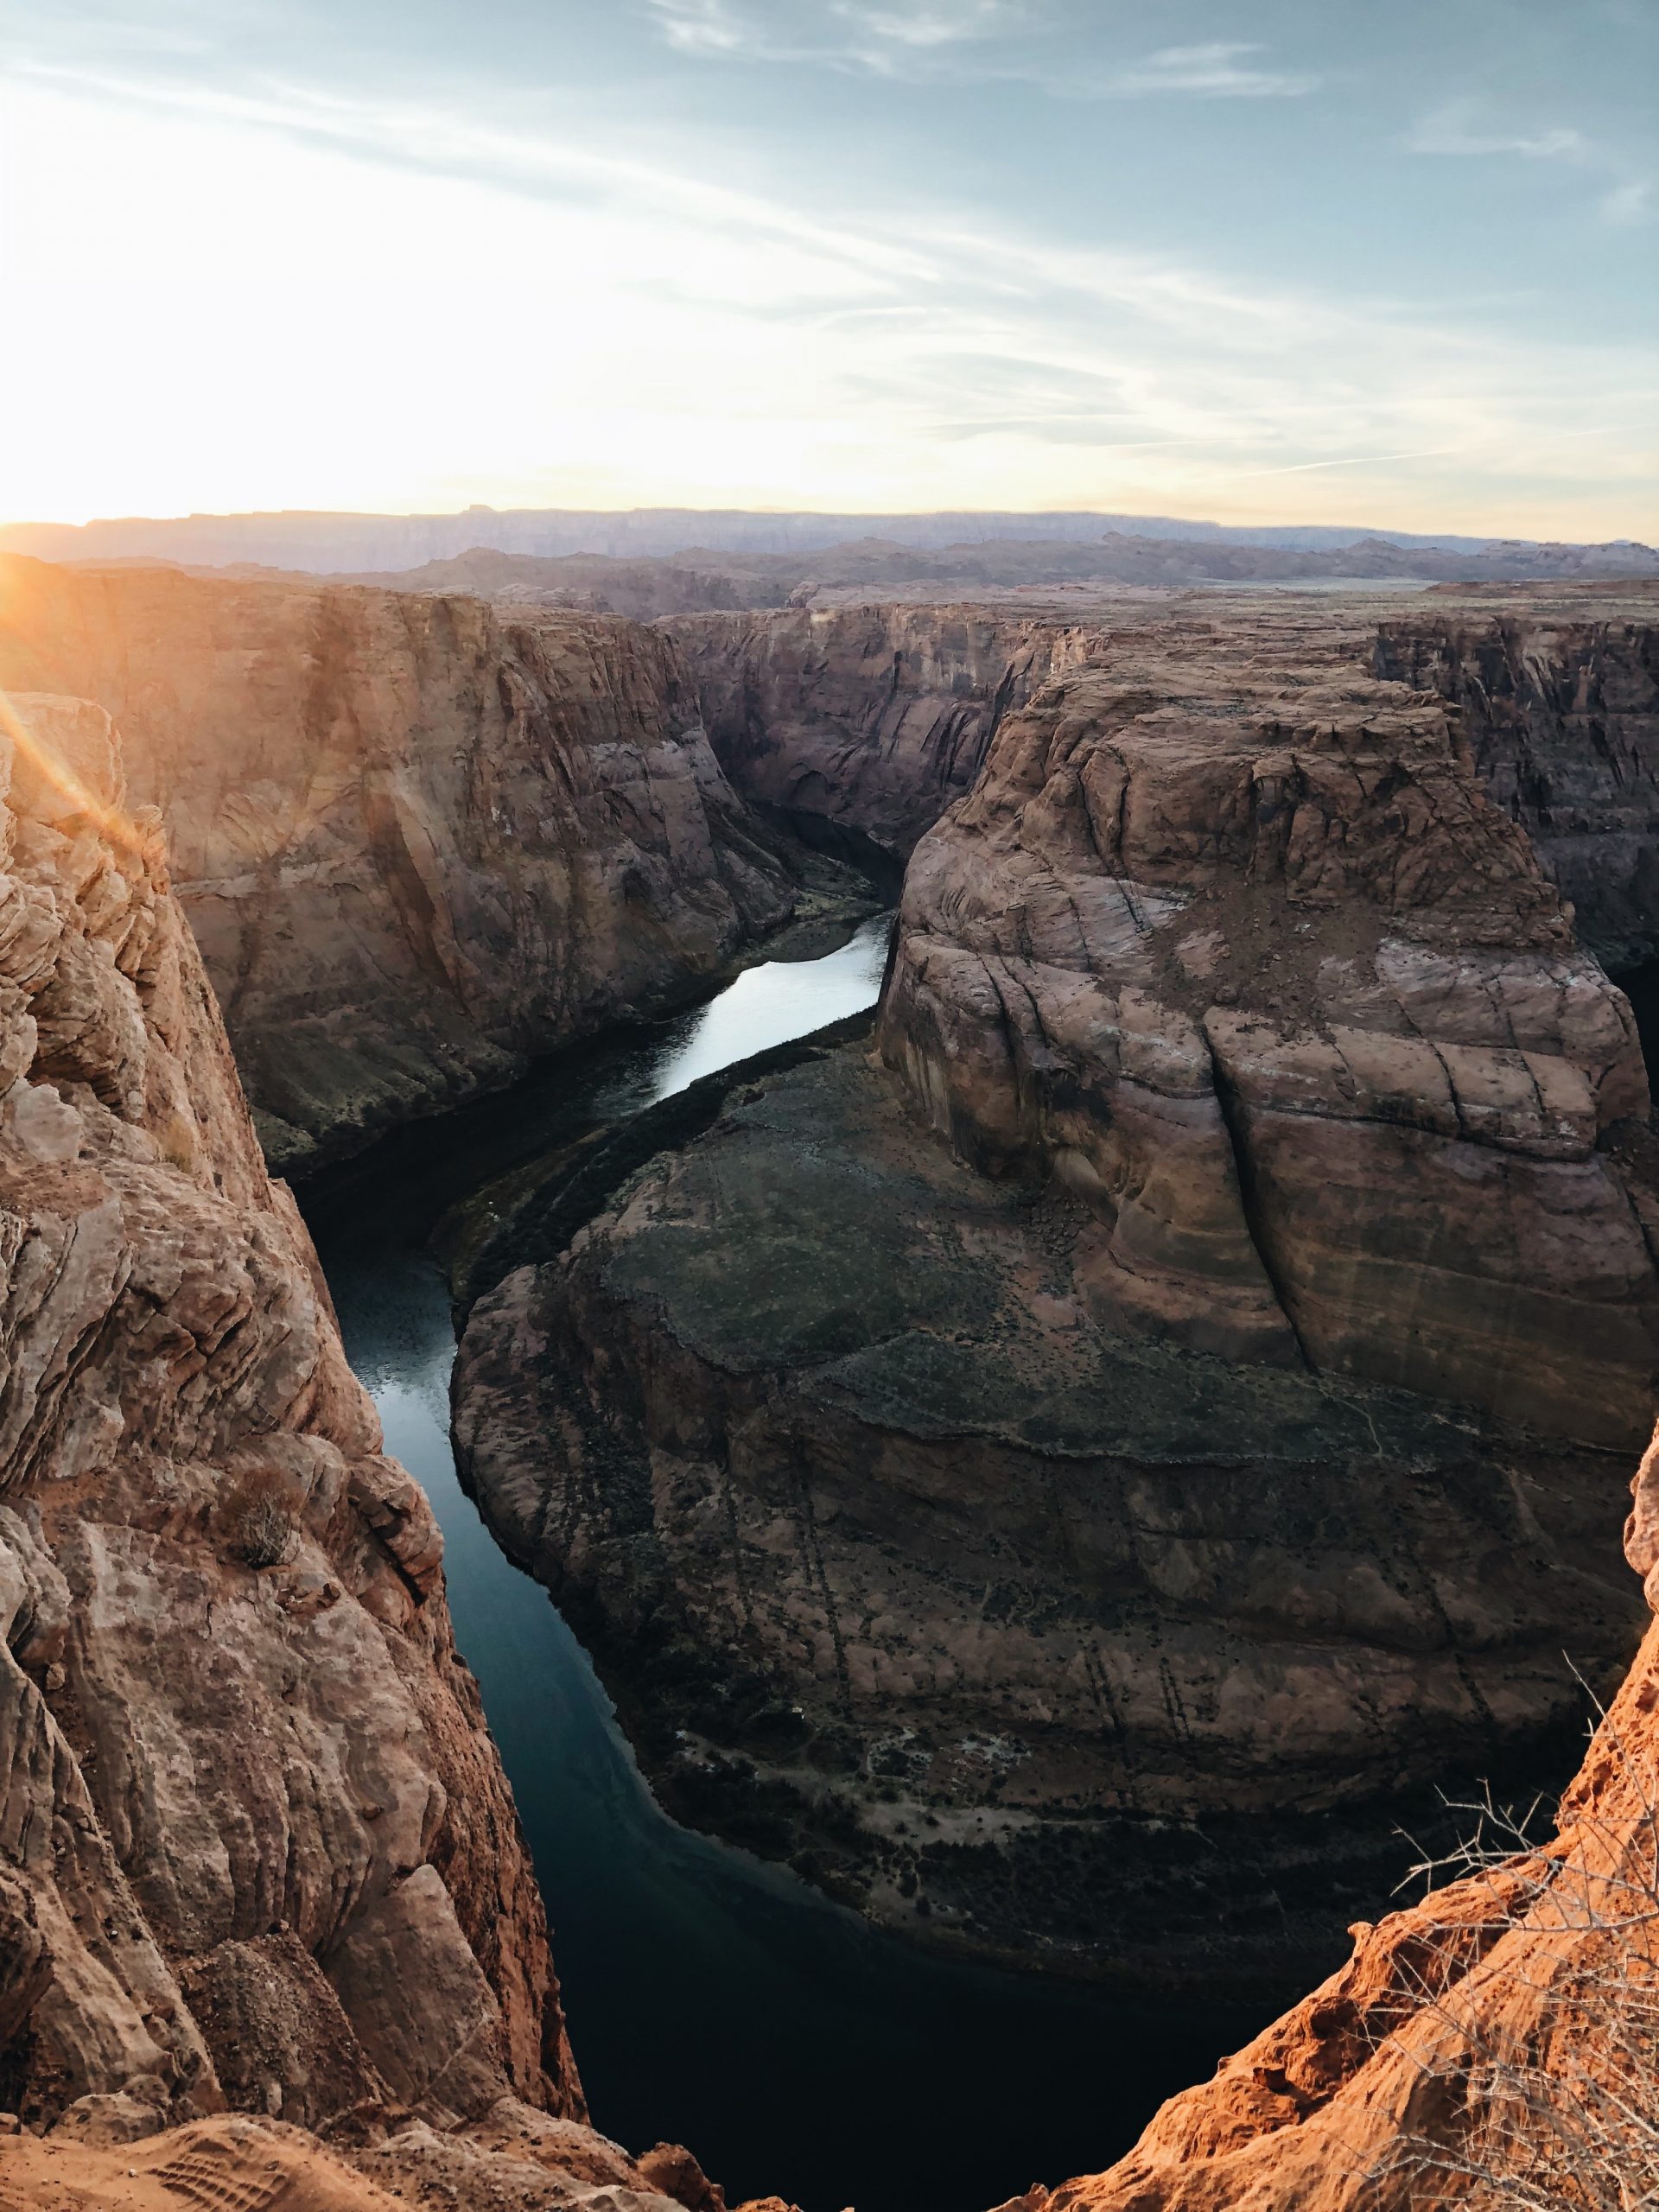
x,y
254,1842
1562,717
867,721
1100,1456
1464,2036
1256,972
416,840
513,2160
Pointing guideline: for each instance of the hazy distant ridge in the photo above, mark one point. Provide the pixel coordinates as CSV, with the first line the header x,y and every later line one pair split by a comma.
x,y
335,543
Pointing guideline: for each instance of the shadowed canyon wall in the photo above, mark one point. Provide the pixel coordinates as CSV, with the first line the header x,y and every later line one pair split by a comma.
x,y
867,721
416,841
1561,716
1059,1474
1491,2045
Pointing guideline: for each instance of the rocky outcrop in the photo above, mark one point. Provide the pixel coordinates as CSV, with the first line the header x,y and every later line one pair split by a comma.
x,y
1561,713
1490,2045
416,841
1109,1453
1256,972
514,2159
866,723
255,1843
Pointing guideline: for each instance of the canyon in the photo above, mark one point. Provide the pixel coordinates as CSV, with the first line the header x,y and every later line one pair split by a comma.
x,y
858,727
1238,1076
416,842
1560,712
1489,2044
260,1855
1063,1464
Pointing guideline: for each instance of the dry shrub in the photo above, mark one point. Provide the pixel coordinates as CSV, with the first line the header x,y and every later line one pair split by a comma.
x,y
1539,2075
261,1525
176,1140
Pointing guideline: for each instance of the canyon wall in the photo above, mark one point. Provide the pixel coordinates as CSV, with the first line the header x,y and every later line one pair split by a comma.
x,y
1490,2045
1560,711
259,1845
416,841
257,1856
1114,1449
867,721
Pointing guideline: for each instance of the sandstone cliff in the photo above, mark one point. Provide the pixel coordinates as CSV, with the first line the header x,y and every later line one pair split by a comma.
x,y
867,721
256,1846
1560,710
416,841
259,1842
1105,1456
1491,2045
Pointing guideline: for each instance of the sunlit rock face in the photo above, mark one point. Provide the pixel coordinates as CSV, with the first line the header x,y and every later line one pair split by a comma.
x,y
1187,1375
261,1876
867,721
258,1843
416,841
1560,709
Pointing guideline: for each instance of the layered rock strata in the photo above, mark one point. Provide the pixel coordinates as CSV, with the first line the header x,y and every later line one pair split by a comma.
x,y
1560,711
866,723
416,841
257,1851
256,1828
1490,2045
1099,1456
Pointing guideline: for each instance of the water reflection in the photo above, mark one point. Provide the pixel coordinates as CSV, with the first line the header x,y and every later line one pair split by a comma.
x,y
769,1005
713,2000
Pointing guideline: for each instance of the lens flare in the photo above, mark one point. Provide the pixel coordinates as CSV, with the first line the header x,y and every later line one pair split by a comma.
x,y
112,823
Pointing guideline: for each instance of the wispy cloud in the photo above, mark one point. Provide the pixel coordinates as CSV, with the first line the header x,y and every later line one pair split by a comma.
x,y
936,26
1222,70
979,40
849,32
1453,129
1630,202
1458,129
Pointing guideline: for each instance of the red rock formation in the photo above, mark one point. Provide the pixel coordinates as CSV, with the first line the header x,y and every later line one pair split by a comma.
x,y
514,2160
1255,972
868,720
416,841
1467,2037
256,1842
1189,1382
1560,709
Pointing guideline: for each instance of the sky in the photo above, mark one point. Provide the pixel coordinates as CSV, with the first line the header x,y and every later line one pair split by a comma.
x,y
1255,261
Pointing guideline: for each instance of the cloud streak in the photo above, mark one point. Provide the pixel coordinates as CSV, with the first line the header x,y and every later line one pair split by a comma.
x,y
1222,70
1454,130
974,40
671,309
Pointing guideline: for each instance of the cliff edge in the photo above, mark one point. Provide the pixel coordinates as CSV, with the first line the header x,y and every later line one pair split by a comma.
x,y
257,1856
418,841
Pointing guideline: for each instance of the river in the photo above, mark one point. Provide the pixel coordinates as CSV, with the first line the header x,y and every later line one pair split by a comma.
x,y
713,2000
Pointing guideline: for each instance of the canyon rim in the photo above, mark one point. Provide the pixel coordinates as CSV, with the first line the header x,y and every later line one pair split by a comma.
x,y
828,1182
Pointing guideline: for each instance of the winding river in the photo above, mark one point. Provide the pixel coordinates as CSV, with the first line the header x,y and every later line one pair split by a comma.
x,y
713,2000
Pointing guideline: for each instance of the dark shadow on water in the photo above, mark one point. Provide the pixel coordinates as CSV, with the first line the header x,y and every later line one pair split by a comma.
x,y
714,2000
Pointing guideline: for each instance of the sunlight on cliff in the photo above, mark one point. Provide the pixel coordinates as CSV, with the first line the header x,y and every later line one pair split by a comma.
x,y
59,775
